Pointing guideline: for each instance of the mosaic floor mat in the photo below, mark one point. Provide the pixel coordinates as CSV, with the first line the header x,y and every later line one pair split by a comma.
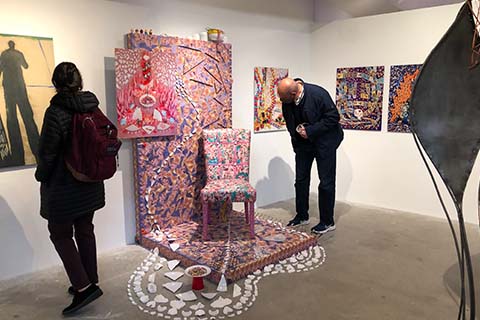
x,y
229,250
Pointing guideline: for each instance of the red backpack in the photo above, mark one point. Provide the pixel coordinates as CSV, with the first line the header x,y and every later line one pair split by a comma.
x,y
94,147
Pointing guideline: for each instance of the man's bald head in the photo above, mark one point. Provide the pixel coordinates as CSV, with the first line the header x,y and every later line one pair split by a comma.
x,y
287,90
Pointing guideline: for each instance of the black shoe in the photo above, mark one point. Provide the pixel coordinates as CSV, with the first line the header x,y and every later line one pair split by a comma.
x,y
81,299
71,291
322,228
297,221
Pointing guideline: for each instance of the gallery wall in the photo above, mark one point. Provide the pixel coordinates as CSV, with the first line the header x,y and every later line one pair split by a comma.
x,y
87,34
380,168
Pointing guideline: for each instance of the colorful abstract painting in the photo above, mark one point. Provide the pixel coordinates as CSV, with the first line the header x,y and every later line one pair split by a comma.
x,y
26,66
267,105
146,98
402,80
359,97
170,171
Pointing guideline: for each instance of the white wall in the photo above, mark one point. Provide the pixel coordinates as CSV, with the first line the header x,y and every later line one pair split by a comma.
x,y
86,32
379,168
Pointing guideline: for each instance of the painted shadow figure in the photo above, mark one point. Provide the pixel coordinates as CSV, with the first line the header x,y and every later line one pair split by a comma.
x,y
15,91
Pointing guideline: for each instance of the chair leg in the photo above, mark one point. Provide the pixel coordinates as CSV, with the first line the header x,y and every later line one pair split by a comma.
x,y
246,211
252,219
205,220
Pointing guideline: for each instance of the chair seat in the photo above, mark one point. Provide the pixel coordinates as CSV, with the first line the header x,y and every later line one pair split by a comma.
x,y
235,190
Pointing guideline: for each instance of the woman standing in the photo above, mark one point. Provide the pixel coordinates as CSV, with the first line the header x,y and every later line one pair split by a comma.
x,y
67,203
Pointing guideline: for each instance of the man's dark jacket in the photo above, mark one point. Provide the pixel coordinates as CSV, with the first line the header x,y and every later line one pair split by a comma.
x,y
323,127
63,198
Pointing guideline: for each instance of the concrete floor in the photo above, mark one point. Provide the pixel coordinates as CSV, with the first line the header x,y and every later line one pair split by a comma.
x,y
380,264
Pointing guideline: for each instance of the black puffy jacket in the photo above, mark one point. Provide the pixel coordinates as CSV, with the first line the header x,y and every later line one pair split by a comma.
x,y
63,198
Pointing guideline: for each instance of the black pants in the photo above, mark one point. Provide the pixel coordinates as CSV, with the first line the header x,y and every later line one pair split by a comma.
x,y
326,168
80,260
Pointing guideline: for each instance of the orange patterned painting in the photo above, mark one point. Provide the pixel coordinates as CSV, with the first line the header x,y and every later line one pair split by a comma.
x,y
402,81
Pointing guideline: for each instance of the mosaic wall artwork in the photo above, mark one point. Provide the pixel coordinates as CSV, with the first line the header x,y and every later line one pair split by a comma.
x,y
267,105
402,81
26,66
359,97
170,171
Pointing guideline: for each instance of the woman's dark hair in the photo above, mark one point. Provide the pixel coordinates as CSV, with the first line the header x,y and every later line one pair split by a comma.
x,y
66,77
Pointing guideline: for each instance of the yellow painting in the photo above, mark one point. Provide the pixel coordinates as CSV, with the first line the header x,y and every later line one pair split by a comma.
x,y
26,66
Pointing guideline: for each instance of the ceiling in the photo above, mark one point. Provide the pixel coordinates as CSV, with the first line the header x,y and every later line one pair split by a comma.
x,y
318,12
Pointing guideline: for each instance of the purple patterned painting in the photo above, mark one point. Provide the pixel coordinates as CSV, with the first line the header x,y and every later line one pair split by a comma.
x,y
170,171
359,97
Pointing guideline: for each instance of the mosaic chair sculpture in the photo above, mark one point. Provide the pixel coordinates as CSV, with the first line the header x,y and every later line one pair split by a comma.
x,y
227,161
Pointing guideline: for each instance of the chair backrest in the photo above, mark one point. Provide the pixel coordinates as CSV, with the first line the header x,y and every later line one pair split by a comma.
x,y
227,153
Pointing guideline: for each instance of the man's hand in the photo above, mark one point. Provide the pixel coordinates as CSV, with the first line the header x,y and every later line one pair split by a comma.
x,y
303,133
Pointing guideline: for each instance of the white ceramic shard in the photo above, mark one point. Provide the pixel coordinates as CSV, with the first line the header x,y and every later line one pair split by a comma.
x,y
140,273
251,276
151,304
187,296
278,267
308,263
247,294
148,264
220,303
152,288
200,313
151,278
258,272
172,311
292,260
197,306
156,251
276,238
239,312
209,295
243,300
137,114
148,129
174,246
157,266
161,308
238,306
160,299
157,115
248,287
283,261
266,274
300,266
145,269
144,299
227,310
132,128
315,260
173,286
237,291
137,289
213,313
222,285
177,304
174,275
187,313
300,257
172,264
162,260
137,283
